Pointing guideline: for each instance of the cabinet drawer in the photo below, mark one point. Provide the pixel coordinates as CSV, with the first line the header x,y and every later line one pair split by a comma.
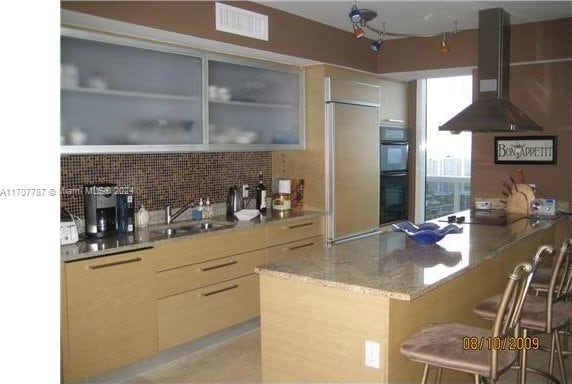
x,y
192,251
196,313
292,231
210,272
296,248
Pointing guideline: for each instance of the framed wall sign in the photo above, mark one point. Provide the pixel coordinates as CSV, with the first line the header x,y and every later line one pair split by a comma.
x,y
525,150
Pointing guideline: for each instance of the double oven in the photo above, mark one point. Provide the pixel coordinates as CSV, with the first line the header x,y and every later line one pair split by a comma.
x,y
394,152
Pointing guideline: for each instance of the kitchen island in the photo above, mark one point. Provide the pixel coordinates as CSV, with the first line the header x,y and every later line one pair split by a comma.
x,y
318,310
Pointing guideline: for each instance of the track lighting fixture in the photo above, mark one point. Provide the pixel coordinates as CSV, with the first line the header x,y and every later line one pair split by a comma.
x,y
355,15
376,45
360,18
444,45
358,32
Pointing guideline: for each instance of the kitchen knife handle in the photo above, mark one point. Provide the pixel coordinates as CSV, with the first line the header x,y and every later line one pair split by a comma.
x,y
514,183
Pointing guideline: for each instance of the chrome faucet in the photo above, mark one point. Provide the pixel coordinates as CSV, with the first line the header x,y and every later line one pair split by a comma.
x,y
169,218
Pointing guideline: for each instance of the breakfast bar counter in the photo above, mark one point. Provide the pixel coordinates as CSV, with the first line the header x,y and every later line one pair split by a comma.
x,y
319,310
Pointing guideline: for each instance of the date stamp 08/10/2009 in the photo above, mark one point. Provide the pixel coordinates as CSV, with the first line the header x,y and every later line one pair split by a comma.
x,y
500,343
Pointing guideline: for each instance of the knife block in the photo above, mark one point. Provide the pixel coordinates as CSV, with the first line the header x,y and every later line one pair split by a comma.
x,y
519,199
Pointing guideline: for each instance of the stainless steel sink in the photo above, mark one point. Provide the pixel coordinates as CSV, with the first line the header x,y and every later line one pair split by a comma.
x,y
194,228
172,231
207,226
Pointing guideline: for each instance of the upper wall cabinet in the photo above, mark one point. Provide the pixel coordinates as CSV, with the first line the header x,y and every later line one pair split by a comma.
x,y
121,94
253,105
393,109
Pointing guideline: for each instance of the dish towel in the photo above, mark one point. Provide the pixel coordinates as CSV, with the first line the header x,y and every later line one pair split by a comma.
x,y
246,214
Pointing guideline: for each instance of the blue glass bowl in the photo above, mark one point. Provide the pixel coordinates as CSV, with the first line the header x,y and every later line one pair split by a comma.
x,y
426,233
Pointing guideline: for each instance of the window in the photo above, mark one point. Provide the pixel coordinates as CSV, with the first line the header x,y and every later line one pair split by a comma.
x,y
447,170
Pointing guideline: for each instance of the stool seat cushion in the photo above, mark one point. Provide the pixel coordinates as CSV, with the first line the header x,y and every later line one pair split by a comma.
x,y
533,312
442,345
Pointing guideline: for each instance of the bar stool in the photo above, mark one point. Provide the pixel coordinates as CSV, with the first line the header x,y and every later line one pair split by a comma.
x,y
541,280
462,347
549,314
540,284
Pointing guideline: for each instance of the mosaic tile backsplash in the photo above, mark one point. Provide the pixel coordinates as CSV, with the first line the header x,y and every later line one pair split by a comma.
x,y
160,179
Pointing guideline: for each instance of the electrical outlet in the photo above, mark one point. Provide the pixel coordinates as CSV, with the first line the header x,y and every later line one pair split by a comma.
x,y
245,191
372,354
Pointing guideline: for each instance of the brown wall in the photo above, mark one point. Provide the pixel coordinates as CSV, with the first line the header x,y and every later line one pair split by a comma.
x,y
529,42
542,90
288,34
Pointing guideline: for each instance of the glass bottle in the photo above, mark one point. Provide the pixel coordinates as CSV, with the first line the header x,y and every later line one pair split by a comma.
x,y
261,194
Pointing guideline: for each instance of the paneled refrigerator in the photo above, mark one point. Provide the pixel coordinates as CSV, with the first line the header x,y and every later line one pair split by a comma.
x,y
352,159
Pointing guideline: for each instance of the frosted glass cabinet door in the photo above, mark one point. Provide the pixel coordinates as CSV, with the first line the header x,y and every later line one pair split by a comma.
x,y
253,106
125,92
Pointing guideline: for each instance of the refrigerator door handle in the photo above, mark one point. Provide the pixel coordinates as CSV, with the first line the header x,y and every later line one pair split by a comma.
x,y
330,170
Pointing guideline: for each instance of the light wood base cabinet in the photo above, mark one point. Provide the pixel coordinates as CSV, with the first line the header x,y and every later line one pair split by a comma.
x,y
121,308
197,313
295,248
280,234
111,313
207,284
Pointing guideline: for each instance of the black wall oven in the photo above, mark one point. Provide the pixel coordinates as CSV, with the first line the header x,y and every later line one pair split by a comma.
x,y
394,168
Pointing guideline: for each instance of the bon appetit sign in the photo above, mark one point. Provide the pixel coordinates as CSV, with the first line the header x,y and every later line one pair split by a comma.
x,y
525,150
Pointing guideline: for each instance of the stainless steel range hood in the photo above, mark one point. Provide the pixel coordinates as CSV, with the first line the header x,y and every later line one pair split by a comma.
x,y
492,111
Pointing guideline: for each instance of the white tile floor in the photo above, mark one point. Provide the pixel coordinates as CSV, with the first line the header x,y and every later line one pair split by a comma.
x,y
238,361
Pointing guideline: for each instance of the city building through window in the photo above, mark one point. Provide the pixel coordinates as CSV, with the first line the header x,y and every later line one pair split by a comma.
x,y
447,156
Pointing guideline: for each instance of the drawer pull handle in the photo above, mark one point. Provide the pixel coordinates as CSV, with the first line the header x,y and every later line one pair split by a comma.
x,y
299,246
115,263
299,225
220,290
395,121
219,266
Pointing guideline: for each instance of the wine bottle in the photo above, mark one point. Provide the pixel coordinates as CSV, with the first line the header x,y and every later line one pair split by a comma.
x,y
261,194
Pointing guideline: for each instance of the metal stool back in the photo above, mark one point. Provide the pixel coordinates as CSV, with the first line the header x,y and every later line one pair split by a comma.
x,y
441,346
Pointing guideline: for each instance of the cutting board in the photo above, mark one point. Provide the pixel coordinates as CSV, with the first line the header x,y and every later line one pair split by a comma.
x,y
519,199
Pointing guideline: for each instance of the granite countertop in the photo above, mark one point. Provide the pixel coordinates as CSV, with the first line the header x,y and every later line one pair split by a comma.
x,y
151,236
392,265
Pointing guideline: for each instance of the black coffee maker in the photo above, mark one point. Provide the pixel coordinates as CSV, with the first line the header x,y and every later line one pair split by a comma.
x,y
99,206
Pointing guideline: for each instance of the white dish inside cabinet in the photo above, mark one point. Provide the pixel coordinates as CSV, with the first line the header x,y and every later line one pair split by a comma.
x,y
254,105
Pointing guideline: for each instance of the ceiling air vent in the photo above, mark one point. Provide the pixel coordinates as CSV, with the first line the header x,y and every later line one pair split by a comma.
x,y
241,22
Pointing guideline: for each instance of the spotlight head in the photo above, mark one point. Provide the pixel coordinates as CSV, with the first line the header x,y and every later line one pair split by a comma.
x,y
355,14
444,46
376,45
